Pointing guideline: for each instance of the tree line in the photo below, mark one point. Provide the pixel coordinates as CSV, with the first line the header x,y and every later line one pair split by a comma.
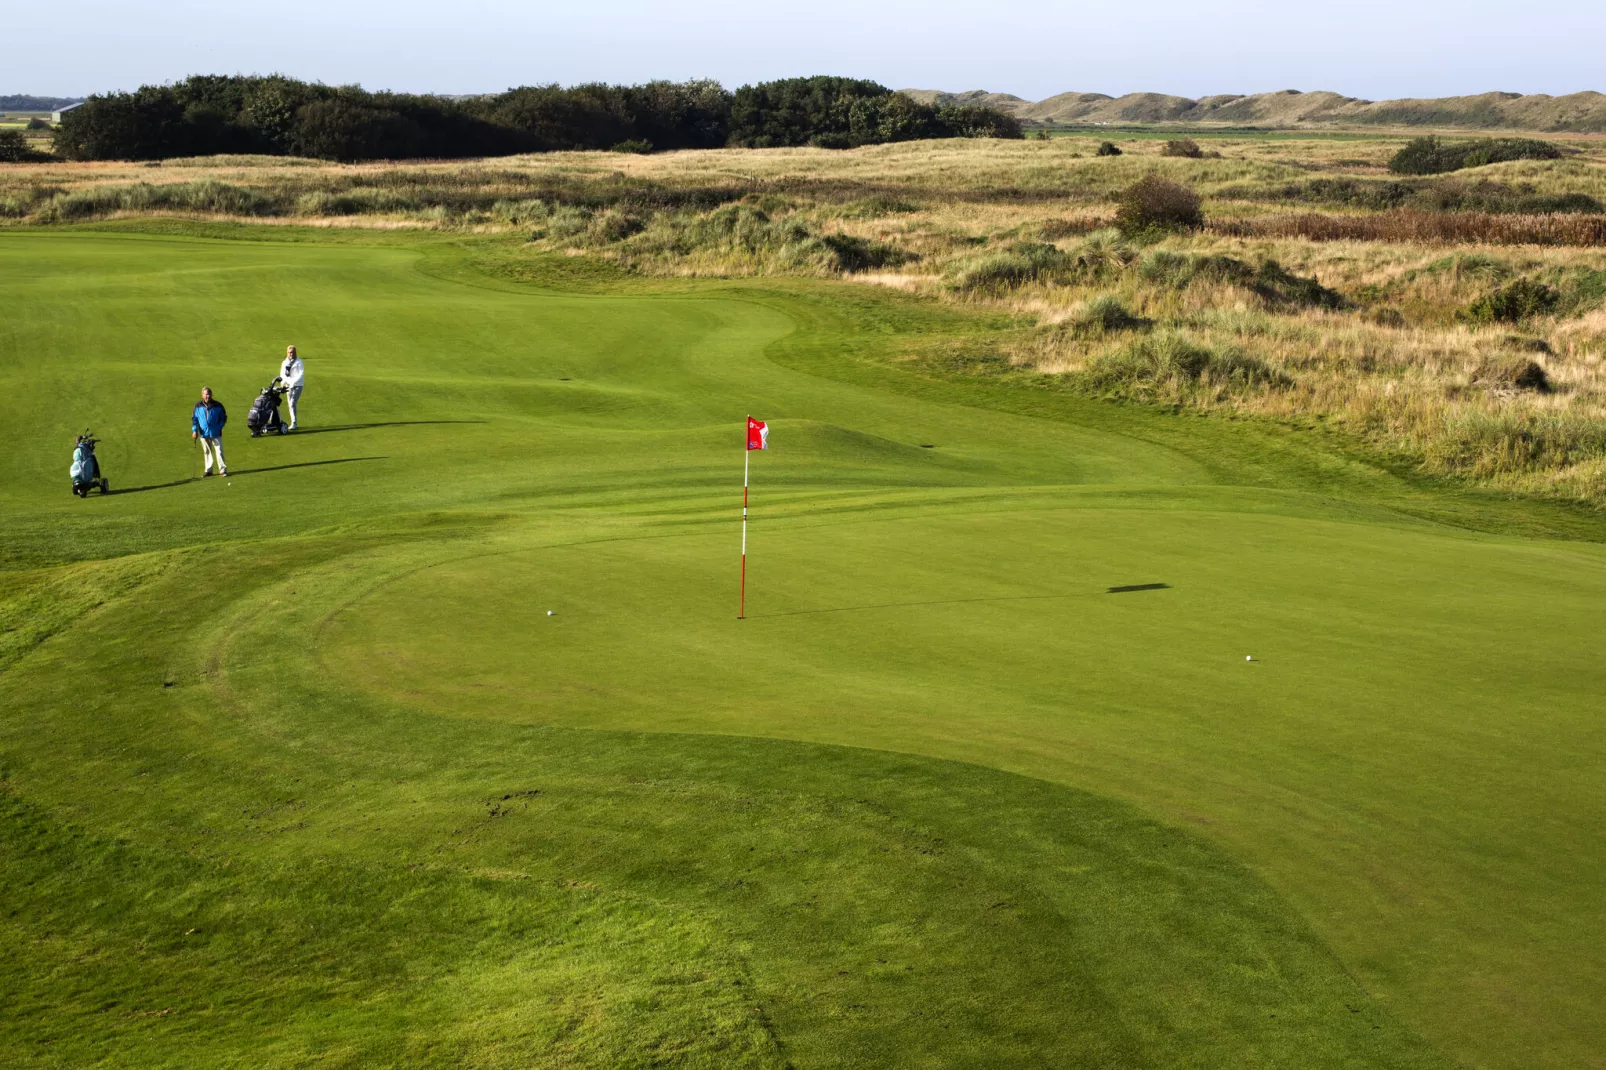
x,y
207,115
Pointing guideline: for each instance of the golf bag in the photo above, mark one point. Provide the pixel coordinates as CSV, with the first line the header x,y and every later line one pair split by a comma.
x,y
264,416
85,469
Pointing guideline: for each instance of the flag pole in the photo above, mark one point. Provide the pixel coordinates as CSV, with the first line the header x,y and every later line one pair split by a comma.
x,y
747,460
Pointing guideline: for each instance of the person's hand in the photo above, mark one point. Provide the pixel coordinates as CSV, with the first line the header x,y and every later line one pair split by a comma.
x,y
194,435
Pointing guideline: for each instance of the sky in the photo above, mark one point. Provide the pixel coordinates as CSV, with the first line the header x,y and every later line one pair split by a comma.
x,y
1376,49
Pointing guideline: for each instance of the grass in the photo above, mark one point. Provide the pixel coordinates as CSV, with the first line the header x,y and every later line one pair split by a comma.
x,y
297,770
1363,294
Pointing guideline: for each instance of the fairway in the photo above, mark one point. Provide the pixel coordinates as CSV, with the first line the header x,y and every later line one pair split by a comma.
x,y
430,735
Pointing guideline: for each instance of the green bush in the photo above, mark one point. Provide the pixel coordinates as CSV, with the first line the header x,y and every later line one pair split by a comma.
x,y
1186,147
14,148
1107,148
1177,360
1106,315
1156,204
1023,262
853,255
1103,252
1431,156
1270,280
639,146
1518,300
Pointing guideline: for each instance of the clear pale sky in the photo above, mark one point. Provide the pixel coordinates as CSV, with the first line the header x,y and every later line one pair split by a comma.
x,y
1367,48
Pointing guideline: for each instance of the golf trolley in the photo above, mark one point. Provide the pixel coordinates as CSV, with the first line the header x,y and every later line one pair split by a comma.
x,y
85,469
264,418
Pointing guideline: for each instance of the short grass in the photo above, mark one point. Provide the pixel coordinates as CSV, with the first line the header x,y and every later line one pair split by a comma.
x,y
297,770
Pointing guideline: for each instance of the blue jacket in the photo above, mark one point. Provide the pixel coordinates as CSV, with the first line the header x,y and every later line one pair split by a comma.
x,y
208,420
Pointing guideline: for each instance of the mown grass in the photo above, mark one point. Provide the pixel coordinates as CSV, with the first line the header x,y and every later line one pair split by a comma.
x,y
315,779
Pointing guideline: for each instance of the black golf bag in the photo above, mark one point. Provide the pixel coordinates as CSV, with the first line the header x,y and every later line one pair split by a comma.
x,y
264,416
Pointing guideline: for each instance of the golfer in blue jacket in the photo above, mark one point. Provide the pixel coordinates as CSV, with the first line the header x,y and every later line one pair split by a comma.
x,y
206,424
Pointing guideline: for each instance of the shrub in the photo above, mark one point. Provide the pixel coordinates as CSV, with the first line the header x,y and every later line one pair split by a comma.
x,y
1513,441
860,254
1154,203
1107,148
1430,156
639,146
1518,300
1023,262
1271,281
1177,360
1102,252
14,148
37,124
1186,147
1105,315
1532,377
614,225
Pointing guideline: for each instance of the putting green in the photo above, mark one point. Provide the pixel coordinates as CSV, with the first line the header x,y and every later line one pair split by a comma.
x,y
299,769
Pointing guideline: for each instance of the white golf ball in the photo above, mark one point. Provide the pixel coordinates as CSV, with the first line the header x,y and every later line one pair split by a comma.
x,y
1249,657
549,613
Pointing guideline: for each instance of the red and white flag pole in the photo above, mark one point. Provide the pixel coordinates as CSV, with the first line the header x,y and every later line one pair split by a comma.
x,y
758,438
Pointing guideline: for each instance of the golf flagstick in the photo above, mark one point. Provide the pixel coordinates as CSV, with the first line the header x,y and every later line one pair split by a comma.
x,y
758,438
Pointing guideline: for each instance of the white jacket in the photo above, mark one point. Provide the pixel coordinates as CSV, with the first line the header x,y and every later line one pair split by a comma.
x,y
292,372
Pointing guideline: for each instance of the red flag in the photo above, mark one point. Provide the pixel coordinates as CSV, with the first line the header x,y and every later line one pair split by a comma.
x,y
758,434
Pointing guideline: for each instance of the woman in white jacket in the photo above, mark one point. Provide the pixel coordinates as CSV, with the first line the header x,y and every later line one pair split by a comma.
x,y
292,373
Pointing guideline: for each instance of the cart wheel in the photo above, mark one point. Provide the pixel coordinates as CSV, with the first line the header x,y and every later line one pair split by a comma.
x,y
77,490
105,486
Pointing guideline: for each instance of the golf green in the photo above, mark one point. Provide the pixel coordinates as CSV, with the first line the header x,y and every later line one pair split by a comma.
x,y
430,735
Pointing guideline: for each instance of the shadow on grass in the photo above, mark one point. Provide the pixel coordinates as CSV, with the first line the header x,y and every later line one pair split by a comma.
x,y
245,472
365,427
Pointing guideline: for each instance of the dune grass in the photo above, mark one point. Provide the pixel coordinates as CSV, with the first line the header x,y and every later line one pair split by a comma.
x,y
296,769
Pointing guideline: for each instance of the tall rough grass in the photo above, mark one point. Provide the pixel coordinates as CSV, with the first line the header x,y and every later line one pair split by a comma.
x,y
1437,228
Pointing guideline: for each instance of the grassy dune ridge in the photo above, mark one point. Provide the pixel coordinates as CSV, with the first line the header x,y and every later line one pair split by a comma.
x,y
1406,356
